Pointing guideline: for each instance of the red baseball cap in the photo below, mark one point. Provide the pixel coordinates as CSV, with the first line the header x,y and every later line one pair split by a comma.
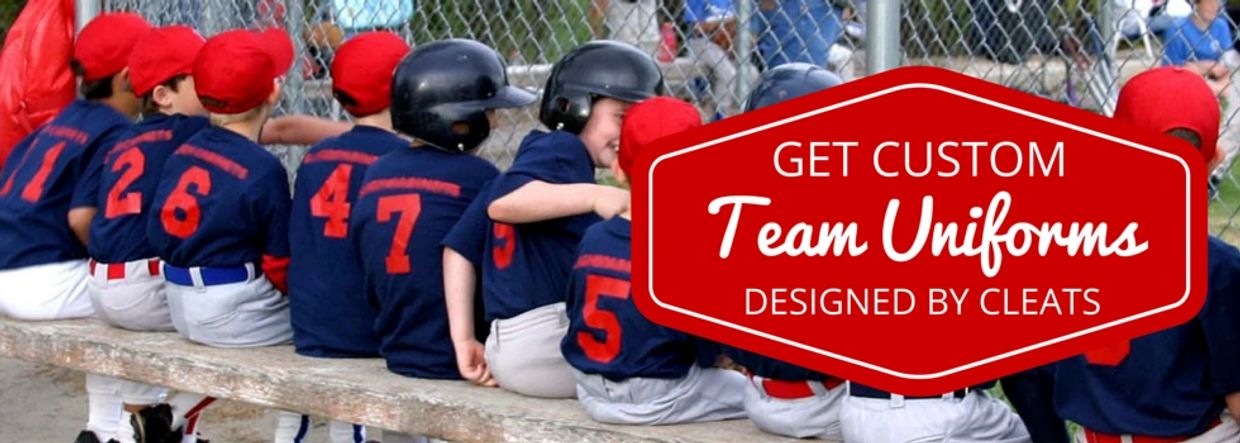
x,y
161,54
363,70
236,70
651,120
1167,98
102,48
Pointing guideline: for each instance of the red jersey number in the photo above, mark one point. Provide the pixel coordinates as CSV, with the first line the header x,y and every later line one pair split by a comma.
x,y
601,286
410,207
34,190
501,254
332,202
133,161
183,202
1111,355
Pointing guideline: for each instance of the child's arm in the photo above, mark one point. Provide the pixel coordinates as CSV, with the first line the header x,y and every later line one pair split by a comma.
x,y
79,222
538,200
459,276
300,130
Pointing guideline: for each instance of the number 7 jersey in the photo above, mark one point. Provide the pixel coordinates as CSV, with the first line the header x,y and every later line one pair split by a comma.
x,y
410,200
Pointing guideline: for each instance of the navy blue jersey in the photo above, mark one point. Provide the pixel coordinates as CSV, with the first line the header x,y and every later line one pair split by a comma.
x,y
469,238
410,200
331,315
526,266
1167,384
222,201
766,367
130,174
52,170
607,335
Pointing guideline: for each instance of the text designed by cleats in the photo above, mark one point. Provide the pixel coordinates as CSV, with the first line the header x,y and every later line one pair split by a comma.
x,y
963,302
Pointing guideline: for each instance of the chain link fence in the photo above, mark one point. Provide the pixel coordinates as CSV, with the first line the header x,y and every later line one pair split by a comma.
x,y
1077,52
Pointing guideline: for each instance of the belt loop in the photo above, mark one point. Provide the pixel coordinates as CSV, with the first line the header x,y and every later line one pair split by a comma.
x,y
195,275
949,395
756,381
847,389
897,401
498,337
818,388
249,272
1125,439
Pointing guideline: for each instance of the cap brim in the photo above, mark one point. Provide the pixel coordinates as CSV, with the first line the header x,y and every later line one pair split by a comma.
x,y
510,97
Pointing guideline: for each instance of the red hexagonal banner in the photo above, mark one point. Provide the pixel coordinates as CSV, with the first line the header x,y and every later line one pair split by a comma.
x,y
919,231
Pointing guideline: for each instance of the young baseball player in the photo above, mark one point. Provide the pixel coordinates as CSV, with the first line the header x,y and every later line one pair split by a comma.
x,y
1182,383
125,285
222,203
542,205
331,316
630,370
444,96
783,398
47,197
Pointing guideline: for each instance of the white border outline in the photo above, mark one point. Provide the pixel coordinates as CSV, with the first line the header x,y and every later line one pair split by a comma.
x,y
907,376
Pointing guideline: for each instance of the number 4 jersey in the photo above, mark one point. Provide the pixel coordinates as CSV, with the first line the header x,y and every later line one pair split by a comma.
x,y
51,171
222,201
331,315
410,200
128,180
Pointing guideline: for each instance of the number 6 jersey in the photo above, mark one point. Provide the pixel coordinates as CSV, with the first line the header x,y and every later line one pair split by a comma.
x,y
222,201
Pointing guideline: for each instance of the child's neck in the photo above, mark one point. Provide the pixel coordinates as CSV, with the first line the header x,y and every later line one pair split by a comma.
x,y
1199,21
248,129
627,214
382,120
119,105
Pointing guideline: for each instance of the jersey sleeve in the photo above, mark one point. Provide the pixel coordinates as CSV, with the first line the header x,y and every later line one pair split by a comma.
x,y
1219,319
90,172
468,237
274,206
1175,52
548,163
693,11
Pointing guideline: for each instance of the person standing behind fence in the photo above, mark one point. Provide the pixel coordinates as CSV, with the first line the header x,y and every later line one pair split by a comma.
x,y
635,22
1197,43
712,29
796,31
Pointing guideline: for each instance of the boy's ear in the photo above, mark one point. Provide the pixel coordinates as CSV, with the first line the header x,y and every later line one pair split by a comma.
x,y
274,98
618,173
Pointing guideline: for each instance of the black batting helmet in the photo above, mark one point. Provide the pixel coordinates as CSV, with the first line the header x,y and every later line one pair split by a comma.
x,y
789,81
441,91
601,68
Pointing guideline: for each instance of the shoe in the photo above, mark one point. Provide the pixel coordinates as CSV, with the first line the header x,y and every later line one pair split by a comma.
x,y
86,437
153,424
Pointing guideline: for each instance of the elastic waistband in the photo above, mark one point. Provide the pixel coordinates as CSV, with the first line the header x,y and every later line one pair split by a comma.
x,y
794,390
201,276
1098,437
148,267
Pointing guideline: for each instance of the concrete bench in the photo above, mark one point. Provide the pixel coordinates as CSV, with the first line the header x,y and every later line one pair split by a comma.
x,y
359,391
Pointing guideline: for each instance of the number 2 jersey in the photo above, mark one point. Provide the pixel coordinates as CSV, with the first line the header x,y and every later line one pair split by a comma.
x,y
129,178
331,315
222,201
48,173
1167,384
408,202
607,335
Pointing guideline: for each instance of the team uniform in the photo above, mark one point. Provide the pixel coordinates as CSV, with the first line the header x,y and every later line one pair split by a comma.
x,y
330,315
628,369
790,400
525,268
1168,385
966,415
43,266
223,203
408,203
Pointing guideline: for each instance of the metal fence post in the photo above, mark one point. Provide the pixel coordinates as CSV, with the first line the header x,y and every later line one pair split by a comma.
x,y
84,11
744,47
882,45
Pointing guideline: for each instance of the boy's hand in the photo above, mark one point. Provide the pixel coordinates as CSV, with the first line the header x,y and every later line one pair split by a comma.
x,y
471,361
610,201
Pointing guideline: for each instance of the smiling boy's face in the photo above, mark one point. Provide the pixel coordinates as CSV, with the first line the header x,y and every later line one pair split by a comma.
x,y
601,134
